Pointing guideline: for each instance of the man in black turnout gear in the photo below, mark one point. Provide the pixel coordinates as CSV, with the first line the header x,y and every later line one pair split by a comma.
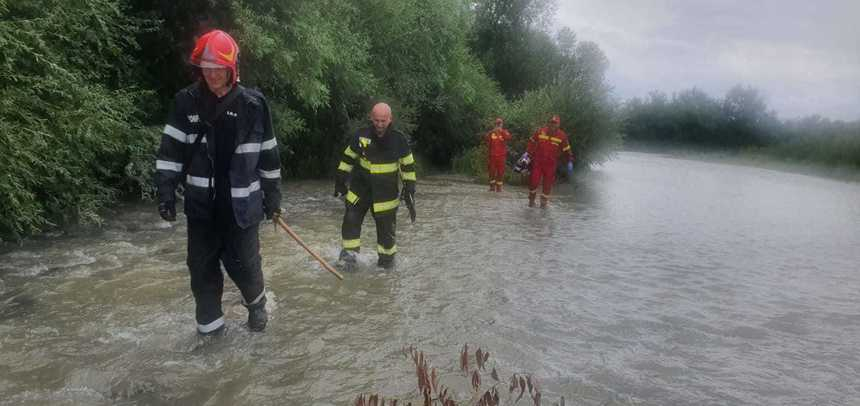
x,y
372,163
220,144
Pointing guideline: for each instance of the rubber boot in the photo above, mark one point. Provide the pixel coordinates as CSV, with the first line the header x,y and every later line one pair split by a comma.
x,y
349,260
498,186
531,200
257,315
543,202
385,261
492,186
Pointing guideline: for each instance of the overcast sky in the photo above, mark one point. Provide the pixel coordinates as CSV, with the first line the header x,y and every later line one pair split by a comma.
x,y
803,55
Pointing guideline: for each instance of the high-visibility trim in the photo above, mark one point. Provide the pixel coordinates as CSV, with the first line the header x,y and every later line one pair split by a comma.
x,y
239,192
386,206
257,300
197,181
275,174
364,163
168,166
407,160
408,176
349,152
175,133
344,167
351,197
208,328
267,145
384,168
543,196
192,137
543,137
555,140
248,148
386,251
565,149
352,244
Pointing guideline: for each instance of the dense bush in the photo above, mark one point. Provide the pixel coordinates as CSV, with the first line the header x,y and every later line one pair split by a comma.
x,y
69,116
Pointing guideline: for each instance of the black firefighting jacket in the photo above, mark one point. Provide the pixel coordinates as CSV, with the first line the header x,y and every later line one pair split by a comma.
x,y
374,165
255,168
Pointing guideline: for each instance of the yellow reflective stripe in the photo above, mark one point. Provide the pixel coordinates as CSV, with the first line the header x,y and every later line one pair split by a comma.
x,y
344,167
378,168
351,197
408,176
351,244
543,137
350,153
383,168
385,206
390,251
555,140
567,148
407,160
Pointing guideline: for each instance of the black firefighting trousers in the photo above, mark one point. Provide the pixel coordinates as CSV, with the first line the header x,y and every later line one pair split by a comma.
x,y
385,228
238,250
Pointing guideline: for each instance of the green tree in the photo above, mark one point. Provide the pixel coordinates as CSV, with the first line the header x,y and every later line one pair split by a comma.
x,y
69,116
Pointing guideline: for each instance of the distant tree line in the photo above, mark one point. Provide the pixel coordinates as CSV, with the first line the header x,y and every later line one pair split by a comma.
x,y
740,121
87,85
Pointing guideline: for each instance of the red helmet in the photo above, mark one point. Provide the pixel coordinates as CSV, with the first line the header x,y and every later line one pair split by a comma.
x,y
216,49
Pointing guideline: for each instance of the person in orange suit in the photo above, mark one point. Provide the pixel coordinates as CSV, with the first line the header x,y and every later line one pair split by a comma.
x,y
544,147
497,149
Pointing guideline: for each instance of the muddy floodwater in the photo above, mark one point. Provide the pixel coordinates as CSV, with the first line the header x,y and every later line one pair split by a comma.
x,y
648,281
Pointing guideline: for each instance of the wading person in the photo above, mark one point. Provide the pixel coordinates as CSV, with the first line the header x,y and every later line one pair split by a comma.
x,y
544,148
497,152
219,143
376,159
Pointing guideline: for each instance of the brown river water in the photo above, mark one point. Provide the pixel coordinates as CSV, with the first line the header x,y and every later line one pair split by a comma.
x,y
648,281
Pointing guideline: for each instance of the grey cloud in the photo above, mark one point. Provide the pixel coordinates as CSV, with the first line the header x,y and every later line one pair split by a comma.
x,y
803,55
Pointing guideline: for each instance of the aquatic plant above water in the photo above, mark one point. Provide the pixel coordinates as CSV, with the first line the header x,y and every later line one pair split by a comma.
x,y
478,387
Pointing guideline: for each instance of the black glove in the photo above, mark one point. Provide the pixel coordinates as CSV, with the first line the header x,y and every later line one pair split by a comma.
x,y
408,196
339,188
275,213
167,211
408,193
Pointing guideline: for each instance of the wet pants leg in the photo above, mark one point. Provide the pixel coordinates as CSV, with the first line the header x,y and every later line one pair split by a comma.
x,y
386,224
497,171
548,181
241,259
352,218
209,248
534,182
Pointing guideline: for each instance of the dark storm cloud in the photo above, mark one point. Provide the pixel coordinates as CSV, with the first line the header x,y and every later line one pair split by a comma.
x,y
803,55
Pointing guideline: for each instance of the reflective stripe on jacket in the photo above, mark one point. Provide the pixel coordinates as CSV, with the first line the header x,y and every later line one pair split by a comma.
x,y
544,146
496,142
374,165
255,167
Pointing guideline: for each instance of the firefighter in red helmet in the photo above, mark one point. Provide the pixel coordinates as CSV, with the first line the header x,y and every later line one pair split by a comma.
x,y
544,147
497,151
219,144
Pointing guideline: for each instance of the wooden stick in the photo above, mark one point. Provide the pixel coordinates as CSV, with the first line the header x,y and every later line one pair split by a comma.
x,y
313,254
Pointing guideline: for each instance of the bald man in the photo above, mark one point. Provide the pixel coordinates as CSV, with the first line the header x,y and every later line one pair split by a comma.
x,y
376,158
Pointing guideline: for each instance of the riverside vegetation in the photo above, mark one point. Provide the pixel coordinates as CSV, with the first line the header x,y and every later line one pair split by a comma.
x,y
87,86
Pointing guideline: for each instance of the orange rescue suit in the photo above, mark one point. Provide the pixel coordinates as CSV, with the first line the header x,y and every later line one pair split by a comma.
x,y
498,150
544,148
